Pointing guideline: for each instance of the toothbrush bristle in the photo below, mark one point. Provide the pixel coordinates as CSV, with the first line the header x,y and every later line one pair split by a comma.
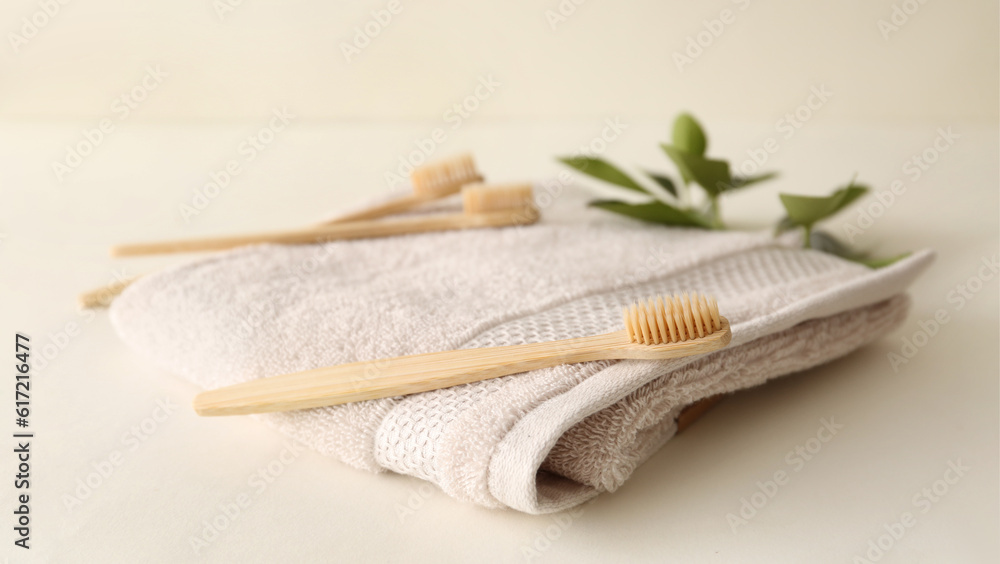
x,y
485,198
444,177
672,319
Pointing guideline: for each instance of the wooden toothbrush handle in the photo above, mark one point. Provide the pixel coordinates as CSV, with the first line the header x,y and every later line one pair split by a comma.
x,y
102,297
401,376
405,375
338,231
394,206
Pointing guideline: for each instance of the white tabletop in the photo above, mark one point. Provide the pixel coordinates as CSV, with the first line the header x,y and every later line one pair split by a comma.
x,y
95,403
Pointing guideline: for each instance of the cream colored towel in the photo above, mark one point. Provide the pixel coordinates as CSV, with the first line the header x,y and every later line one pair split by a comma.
x,y
540,441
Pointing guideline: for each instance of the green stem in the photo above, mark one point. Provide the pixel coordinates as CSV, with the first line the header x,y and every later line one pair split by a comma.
x,y
716,216
808,236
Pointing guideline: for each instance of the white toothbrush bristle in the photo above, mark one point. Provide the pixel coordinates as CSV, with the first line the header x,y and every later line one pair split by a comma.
x,y
672,319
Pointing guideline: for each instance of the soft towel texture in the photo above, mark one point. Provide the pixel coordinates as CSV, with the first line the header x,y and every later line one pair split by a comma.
x,y
541,441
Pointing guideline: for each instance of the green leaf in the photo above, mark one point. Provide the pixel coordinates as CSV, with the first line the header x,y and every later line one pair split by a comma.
x,y
744,181
655,212
823,241
603,170
851,192
688,135
664,181
877,263
710,174
807,210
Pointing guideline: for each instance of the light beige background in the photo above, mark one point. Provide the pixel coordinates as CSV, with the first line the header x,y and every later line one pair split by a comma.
x,y
237,59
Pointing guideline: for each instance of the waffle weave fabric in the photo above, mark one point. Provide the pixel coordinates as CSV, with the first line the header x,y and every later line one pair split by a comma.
x,y
537,442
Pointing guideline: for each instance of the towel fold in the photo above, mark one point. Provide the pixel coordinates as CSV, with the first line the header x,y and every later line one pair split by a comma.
x,y
541,441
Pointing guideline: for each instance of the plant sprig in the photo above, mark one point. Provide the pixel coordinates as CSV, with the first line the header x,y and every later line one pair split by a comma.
x,y
806,211
675,207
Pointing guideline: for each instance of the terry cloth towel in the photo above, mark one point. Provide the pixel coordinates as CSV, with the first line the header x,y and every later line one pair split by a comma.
x,y
540,441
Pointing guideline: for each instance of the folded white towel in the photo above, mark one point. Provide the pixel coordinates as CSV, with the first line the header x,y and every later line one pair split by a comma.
x,y
540,441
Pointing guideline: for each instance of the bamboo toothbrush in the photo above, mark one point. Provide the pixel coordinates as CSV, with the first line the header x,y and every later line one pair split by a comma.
x,y
482,206
664,327
102,297
432,181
